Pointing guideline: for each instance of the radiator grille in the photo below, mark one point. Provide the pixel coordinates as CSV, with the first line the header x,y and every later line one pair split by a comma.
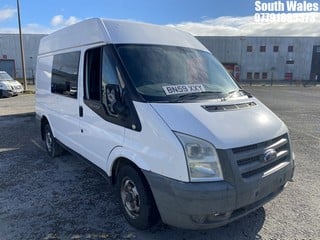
x,y
251,160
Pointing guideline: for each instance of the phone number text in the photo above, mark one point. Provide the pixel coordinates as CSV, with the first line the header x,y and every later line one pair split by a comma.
x,y
285,17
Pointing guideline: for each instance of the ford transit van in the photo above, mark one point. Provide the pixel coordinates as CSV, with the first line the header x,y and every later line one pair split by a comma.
x,y
158,114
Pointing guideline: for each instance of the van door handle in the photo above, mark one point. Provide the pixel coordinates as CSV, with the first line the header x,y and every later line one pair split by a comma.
x,y
80,111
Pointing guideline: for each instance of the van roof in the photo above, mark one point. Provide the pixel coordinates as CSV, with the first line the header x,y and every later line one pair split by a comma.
x,y
98,30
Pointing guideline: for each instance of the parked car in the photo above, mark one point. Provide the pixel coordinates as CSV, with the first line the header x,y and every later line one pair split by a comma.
x,y
153,109
8,86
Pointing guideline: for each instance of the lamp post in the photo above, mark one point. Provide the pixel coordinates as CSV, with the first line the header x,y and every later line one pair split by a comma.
x,y
22,50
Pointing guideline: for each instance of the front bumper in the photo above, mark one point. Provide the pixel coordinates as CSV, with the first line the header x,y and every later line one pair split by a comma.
x,y
203,205
8,93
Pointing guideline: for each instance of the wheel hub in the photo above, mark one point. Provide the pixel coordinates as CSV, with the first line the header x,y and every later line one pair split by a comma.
x,y
130,198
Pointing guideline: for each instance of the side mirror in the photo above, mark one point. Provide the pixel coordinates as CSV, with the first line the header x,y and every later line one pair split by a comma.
x,y
115,103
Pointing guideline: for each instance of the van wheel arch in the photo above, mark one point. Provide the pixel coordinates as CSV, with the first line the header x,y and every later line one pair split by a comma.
x,y
124,165
118,164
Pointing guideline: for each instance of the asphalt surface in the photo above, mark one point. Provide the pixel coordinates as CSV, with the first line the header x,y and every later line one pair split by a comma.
x,y
64,198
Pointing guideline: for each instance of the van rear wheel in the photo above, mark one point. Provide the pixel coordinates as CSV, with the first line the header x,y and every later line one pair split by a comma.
x,y
136,199
52,146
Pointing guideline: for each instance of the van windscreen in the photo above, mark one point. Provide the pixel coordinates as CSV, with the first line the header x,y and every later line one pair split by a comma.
x,y
5,76
164,73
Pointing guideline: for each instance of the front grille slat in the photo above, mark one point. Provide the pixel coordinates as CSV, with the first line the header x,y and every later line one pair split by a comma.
x,y
282,154
279,143
248,160
263,170
251,159
249,155
244,149
260,164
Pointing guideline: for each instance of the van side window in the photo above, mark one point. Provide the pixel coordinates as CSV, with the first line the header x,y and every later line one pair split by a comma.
x,y
65,70
93,74
110,81
102,78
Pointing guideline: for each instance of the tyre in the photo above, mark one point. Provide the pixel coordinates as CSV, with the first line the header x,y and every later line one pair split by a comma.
x,y
52,146
136,199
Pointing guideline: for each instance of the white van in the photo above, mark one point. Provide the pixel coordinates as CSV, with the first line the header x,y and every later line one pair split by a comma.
x,y
8,86
153,109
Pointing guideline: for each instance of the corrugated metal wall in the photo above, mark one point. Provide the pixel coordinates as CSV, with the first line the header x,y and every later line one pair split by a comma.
x,y
269,63
10,49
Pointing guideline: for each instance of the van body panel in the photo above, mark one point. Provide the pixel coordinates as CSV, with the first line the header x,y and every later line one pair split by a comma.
x,y
224,129
123,32
117,32
178,201
208,205
200,205
98,137
95,33
157,145
61,112
252,191
128,154
64,116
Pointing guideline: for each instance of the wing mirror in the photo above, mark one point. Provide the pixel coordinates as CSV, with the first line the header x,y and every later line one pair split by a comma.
x,y
115,101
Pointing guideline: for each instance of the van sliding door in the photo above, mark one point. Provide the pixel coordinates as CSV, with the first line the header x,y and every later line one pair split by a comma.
x,y
63,105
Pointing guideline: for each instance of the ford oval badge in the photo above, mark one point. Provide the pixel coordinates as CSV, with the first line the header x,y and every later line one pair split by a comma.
x,y
270,155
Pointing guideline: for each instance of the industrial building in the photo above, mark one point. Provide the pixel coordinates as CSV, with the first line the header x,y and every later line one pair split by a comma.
x,y
10,54
246,58
268,58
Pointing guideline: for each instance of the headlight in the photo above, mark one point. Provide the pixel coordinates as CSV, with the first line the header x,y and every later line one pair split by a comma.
x,y
202,159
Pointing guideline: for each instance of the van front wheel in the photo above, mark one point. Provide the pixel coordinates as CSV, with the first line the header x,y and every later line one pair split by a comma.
x,y
52,146
136,199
